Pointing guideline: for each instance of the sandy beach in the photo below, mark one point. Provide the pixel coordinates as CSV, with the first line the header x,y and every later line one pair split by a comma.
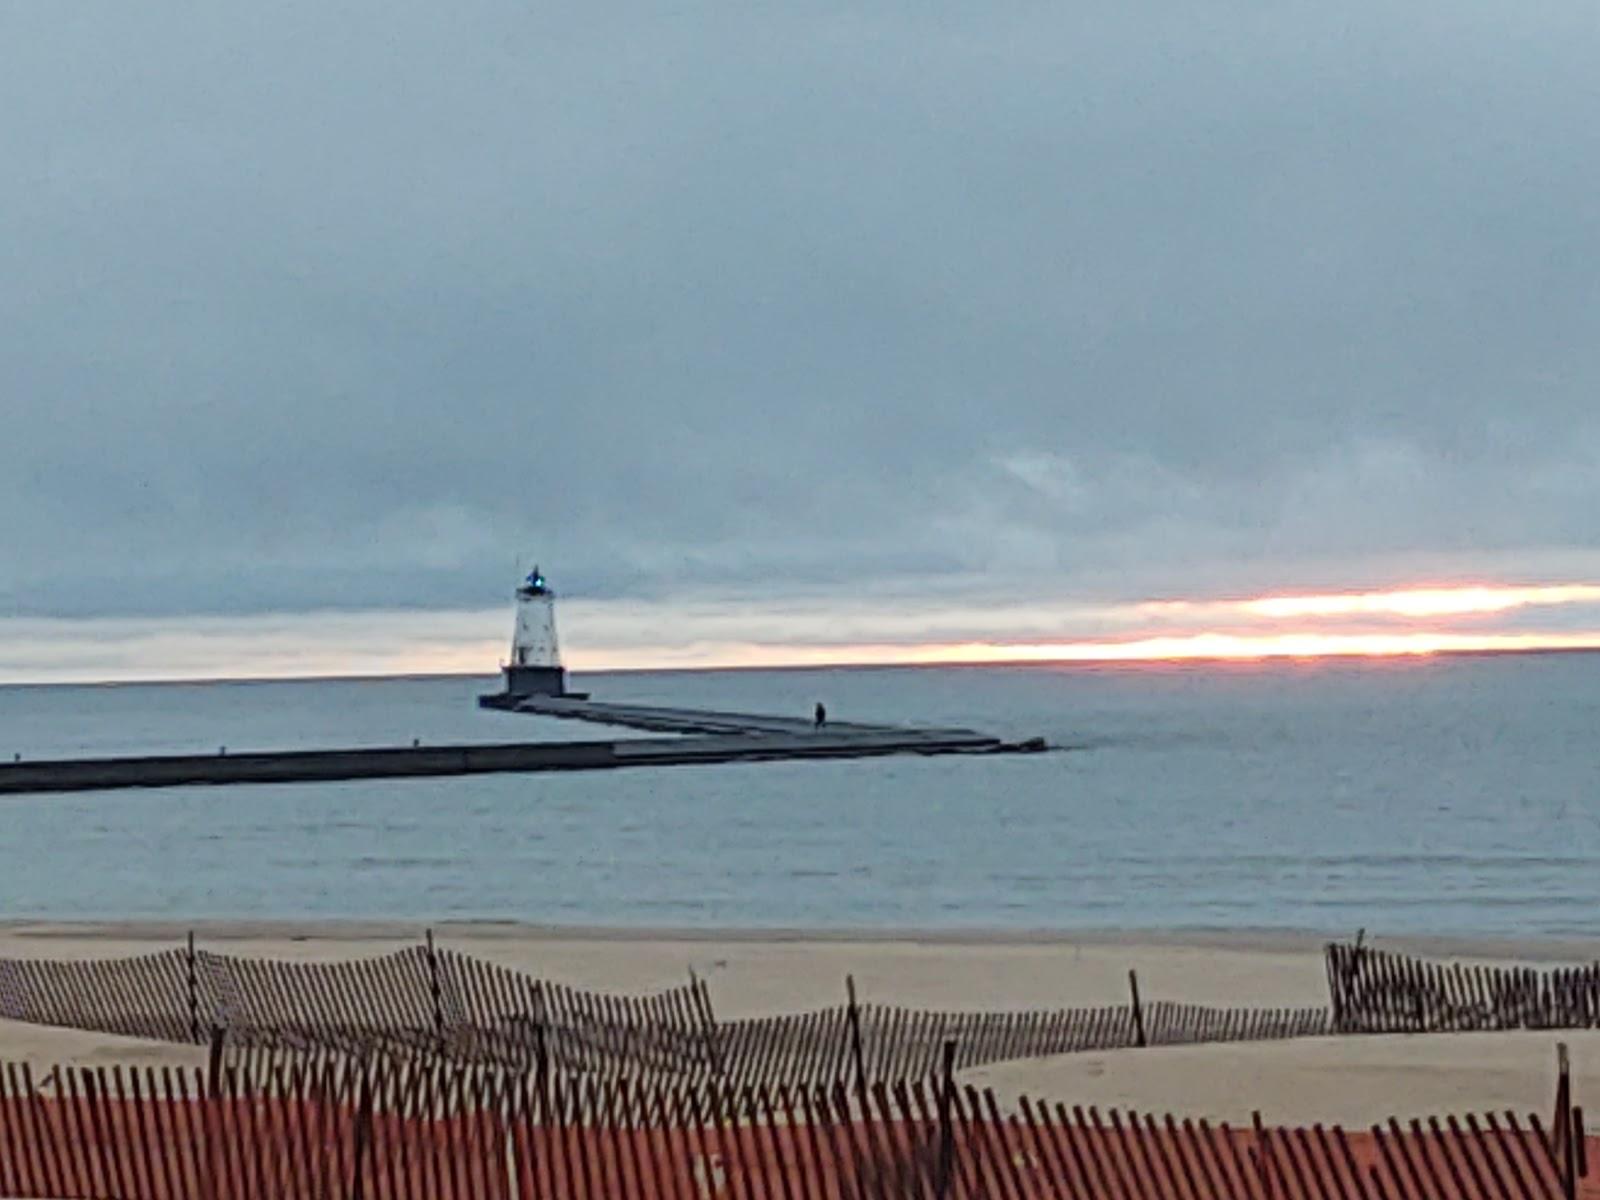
x,y
1351,1080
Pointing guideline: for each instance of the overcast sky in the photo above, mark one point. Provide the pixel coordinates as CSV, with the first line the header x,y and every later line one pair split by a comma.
x,y
310,306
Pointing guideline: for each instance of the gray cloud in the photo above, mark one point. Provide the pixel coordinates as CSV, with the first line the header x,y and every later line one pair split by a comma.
x,y
307,306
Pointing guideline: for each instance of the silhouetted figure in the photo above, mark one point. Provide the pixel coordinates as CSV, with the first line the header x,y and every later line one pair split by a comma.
x,y
820,716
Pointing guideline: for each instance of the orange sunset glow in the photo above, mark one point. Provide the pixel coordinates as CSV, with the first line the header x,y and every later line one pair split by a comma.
x,y
1183,648
1411,602
1260,646
1267,638
1423,602
1277,626
1414,621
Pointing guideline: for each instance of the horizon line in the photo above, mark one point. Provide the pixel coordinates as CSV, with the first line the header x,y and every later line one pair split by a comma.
x,y
844,665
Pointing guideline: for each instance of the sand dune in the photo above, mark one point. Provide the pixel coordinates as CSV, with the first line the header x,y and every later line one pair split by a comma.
x,y
1352,1081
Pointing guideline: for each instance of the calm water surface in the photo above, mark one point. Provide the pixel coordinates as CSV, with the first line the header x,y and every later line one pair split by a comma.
x,y
1457,795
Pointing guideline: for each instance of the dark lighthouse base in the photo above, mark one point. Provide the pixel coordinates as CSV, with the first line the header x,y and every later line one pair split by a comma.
x,y
523,682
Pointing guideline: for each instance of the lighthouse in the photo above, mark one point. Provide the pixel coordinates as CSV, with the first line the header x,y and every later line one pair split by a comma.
x,y
535,666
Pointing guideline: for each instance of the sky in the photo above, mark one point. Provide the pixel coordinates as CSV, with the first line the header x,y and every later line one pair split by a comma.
x,y
791,333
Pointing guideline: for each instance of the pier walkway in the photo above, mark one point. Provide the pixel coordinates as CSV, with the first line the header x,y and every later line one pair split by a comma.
x,y
703,721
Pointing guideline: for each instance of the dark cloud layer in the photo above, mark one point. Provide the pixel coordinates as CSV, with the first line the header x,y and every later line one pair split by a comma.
x,y
306,305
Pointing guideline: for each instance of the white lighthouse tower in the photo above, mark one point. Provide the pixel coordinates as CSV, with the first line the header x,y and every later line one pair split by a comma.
x,y
533,644
535,667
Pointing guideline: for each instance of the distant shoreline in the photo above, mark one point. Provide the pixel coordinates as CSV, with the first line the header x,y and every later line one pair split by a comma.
x,y
1098,664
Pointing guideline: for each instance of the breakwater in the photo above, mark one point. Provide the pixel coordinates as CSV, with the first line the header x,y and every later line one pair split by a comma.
x,y
710,738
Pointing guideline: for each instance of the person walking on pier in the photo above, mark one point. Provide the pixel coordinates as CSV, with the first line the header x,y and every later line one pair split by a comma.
x,y
819,716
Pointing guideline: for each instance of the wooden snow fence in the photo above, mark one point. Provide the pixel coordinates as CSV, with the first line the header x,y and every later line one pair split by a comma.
x,y
411,1131
1378,991
871,1041
419,1000
439,1004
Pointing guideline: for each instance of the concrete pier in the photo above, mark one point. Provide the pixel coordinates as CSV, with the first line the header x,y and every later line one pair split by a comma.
x,y
707,721
713,737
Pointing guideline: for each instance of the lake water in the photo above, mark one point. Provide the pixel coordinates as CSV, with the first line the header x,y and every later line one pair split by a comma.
x,y
1445,795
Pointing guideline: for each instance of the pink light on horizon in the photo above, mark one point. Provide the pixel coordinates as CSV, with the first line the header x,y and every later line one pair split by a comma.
x,y
1199,646
1414,621
1422,602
